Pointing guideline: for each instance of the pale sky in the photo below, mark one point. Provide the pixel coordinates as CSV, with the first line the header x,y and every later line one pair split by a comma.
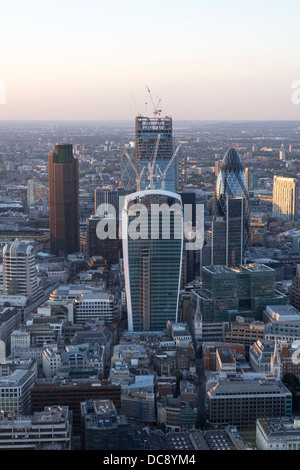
x,y
205,60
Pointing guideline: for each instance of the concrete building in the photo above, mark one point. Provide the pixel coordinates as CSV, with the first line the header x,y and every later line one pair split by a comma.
x,y
225,359
260,355
241,400
245,331
51,361
139,406
15,390
282,322
278,433
19,270
71,393
103,428
286,198
176,414
50,429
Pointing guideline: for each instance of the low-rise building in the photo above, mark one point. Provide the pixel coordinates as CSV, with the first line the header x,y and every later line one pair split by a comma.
x,y
278,433
239,401
50,429
260,355
103,428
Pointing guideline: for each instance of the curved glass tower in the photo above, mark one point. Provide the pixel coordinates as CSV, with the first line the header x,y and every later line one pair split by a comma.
x,y
232,183
152,258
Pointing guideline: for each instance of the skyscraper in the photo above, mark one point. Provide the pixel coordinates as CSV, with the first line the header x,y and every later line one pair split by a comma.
x,y
154,143
152,259
108,248
19,270
232,183
63,200
228,234
295,290
286,198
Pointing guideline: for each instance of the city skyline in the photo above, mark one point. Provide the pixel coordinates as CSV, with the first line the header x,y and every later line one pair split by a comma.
x,y
217,61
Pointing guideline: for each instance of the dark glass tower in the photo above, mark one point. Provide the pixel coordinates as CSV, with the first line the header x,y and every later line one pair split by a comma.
x,y
232,183
227,235
63,200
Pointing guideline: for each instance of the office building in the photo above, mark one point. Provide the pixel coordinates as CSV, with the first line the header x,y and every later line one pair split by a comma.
x,y
282,322
230,292
260,355
71,393
258,232
285,198
19,270
15,389
109,197
154,144
139,406
245,331
278,433
232,183
295,290
152,259
50,429
109,248
176,414
103,428
227,246
252,178
239,400
63,201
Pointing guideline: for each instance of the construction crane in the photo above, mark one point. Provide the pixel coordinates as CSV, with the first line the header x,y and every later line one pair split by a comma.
x,y
164,173
156,110
151,165
135,105
137,175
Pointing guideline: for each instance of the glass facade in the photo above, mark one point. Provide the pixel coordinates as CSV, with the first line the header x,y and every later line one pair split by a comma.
x,y
232,182
152,265
149,133
63,201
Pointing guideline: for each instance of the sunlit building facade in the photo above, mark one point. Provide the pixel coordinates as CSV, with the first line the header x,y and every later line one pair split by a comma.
x,y
286,198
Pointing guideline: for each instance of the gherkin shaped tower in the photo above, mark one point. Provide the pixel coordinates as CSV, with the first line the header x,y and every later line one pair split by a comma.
x,y
232,183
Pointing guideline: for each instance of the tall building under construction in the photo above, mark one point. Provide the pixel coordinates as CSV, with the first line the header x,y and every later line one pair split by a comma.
x,y
154,150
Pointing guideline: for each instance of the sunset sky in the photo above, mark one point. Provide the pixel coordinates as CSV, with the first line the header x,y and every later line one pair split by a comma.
x,y
206,60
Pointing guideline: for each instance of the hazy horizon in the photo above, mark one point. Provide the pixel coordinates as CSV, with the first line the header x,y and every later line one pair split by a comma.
x,y
92,60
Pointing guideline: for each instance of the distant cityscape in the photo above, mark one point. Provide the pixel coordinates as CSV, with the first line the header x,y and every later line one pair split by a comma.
x,y
138,341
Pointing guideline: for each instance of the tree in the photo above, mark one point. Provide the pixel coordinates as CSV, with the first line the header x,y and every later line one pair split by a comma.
x,y
178,374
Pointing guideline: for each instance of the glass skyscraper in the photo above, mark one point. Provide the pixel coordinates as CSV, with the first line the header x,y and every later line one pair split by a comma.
x,y
155,135
63,200
232,183
152,258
